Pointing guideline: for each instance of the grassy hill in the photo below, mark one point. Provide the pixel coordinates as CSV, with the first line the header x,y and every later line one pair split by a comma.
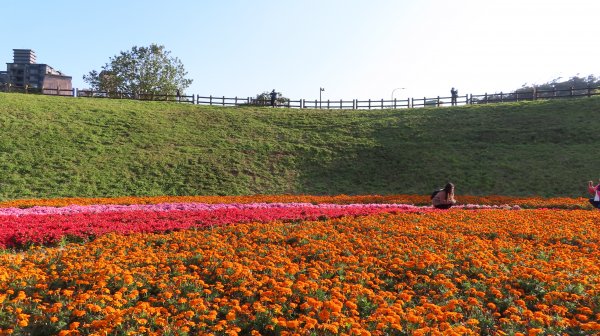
x,y
56,147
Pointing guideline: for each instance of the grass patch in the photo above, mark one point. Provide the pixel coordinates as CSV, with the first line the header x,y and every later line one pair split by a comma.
x,y
62,147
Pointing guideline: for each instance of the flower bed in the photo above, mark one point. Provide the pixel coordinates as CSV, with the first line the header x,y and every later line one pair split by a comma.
x,y
458,272
48,225
299,264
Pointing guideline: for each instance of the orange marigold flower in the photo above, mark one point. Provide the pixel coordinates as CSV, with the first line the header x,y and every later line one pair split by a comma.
x,y
324,315
292,324
20,296
350,305
78,313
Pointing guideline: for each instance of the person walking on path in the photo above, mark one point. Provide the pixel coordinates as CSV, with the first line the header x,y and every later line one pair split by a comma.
x,y
444,199
273,97
454,96
594,190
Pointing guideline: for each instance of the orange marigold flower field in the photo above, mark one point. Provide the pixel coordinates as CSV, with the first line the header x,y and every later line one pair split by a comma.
x,y
456,272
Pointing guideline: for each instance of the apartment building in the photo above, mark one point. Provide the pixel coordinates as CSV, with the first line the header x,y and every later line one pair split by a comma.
x,y
25,72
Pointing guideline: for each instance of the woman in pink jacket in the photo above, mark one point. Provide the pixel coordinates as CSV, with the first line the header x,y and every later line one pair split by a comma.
x,y
594,190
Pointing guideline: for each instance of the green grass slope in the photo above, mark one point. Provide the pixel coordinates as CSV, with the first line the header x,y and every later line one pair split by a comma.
x,y
61,147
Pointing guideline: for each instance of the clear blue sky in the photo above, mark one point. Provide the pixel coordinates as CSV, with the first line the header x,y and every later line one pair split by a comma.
x,y
353,48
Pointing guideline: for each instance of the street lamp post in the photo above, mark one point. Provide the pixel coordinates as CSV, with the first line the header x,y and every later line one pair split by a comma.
x,y
394,90
320,90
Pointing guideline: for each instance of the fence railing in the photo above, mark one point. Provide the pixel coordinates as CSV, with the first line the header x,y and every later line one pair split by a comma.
x,y
138,96
354,104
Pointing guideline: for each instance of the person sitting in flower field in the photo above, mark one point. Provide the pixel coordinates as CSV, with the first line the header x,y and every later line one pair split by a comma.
x,y
594,190
444,199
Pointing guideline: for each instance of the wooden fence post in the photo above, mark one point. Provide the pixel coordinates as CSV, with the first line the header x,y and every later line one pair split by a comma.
x,y
589,92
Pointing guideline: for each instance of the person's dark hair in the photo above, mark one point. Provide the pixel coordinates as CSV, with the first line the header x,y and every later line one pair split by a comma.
x,y
449,189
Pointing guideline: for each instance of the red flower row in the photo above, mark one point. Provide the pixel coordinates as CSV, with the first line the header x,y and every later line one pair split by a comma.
x,y
17,231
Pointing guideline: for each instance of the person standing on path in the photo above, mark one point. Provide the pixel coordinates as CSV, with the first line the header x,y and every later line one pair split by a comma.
x,y
273,97
454,96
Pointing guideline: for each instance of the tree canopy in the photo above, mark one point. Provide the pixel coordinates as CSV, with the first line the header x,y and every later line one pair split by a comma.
x,y
141,70
558,87
265,99
574,82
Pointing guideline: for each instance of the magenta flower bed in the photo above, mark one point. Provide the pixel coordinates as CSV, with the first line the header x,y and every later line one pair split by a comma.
x,y
48,225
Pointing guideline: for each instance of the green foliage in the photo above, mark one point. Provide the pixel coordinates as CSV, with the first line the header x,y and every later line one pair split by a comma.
x,y
559,83
63,147
142,70
265,99
558,87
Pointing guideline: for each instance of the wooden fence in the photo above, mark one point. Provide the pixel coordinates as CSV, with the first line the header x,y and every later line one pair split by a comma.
x,y
138,96
354,104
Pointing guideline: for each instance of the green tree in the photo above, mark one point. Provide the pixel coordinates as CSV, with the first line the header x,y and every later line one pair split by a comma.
x,y
265,99
141,70
558,87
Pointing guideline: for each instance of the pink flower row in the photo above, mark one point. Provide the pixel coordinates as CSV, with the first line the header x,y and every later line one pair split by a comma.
x,y
48,225
75,209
